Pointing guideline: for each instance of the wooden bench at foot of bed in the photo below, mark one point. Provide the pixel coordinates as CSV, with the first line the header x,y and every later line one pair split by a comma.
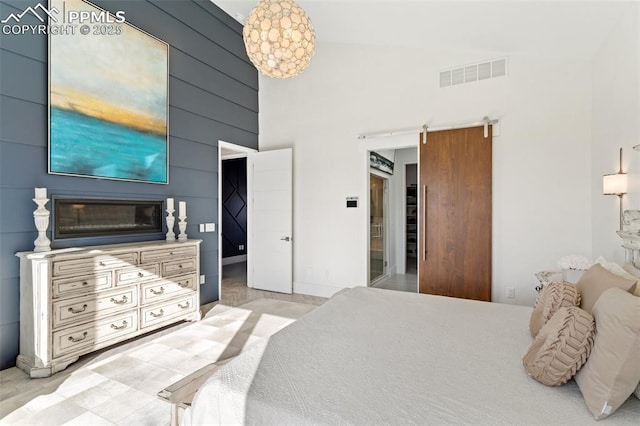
x,y
181,393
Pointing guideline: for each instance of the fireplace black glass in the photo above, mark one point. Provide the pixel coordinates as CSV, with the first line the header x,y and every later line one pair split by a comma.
x,y
89,217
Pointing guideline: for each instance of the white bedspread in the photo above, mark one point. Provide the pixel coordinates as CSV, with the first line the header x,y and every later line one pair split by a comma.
x,y
374,357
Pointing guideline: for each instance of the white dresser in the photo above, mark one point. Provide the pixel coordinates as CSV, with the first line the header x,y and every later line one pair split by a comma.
x,y
77,300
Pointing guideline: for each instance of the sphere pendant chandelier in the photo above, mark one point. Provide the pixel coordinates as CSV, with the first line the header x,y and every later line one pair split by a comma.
x,y
279,38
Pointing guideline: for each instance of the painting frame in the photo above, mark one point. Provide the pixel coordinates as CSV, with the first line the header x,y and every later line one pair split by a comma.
x,y
143,133
379,162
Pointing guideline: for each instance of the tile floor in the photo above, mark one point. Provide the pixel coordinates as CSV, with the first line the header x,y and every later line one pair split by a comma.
x,y
399,282
235,291
119,386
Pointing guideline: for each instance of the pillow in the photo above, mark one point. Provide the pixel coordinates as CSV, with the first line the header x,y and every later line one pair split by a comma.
x,y
614,268
595,281
634,272
612,372
551,298
561,347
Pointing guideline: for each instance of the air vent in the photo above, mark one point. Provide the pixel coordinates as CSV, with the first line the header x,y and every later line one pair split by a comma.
x,y
445,78
458,76
471,73
475,72
499,68
484,71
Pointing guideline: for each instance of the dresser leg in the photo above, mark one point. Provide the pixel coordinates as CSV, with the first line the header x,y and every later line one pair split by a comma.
x,y
41,371
197,316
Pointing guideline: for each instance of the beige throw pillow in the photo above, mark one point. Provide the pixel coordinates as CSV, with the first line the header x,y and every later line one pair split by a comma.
x,y
595,281
634,272
612,372
551,298
561,347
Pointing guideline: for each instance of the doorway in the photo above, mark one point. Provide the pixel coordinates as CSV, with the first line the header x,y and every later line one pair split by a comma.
x,y
391,233
233,216
378,188
233,223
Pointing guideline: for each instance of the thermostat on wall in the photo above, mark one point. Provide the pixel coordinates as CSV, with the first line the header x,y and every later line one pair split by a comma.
x,y
352,202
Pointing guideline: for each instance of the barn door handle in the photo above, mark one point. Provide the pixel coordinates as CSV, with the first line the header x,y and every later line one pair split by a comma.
x,y
424,224
285,239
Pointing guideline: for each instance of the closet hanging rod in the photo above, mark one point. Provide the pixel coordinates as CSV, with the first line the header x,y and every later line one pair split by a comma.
x,y
388,133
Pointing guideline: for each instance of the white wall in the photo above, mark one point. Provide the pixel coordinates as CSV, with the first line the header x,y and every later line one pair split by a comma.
x,y
541,168
616,123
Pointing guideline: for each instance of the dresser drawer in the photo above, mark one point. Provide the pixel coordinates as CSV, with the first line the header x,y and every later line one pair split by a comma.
x,y
85,284
138,274
93,264
167,254
165,311
165,289
84,337
178,267
89,307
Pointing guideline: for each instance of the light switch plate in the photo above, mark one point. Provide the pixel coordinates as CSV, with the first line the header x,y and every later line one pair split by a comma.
x,y
201,279
202,227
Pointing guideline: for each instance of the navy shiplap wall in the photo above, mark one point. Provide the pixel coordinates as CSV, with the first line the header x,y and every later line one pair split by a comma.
x,y
234,207
213,95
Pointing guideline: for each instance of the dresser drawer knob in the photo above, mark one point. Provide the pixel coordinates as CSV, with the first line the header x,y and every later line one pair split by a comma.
x,y
77,311
185,306
101,263
124,325
84,283
183,284
119,302
78,339
157,292
180,266
140,274
158,315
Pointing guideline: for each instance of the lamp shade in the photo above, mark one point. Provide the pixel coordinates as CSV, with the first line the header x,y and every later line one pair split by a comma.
x,y
615,184
279,38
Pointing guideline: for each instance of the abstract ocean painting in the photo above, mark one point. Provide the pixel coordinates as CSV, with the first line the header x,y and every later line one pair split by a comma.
x,y
108,103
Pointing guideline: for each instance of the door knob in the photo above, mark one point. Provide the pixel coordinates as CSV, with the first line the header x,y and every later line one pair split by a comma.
x,y
285,239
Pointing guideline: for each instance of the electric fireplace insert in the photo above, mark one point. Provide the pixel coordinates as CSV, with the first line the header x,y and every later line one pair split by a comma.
x,y
93,217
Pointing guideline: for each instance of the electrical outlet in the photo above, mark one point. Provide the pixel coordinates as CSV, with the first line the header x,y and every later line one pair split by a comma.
x,y
210,227
241,247
202,227
511,293
201,279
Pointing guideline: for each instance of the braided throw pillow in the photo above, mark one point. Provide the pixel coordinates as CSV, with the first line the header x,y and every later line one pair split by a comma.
x,y
552,297
561,347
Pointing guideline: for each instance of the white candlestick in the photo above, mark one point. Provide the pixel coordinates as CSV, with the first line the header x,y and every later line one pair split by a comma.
x,y
41,193
41,218
182,226
170,205
182,209
170,222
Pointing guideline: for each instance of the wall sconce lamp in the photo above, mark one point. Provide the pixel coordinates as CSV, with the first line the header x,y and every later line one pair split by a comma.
x,y
616,184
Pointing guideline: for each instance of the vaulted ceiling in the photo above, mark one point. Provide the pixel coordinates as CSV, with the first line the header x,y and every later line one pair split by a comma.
x,y
572,29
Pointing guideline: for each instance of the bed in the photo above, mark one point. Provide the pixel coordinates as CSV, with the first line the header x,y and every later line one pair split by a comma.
x,y
371,356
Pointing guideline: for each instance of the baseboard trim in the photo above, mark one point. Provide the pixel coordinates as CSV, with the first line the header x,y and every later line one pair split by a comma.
x,y
234,259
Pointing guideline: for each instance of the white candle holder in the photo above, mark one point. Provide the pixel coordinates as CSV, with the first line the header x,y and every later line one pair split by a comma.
x,y
171,236
41,219
182,225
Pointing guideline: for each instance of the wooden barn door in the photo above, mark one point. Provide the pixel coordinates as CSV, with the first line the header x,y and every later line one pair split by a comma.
x,y
454,211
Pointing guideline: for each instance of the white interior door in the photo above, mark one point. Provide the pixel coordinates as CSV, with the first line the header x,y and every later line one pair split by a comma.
x,y
270,254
